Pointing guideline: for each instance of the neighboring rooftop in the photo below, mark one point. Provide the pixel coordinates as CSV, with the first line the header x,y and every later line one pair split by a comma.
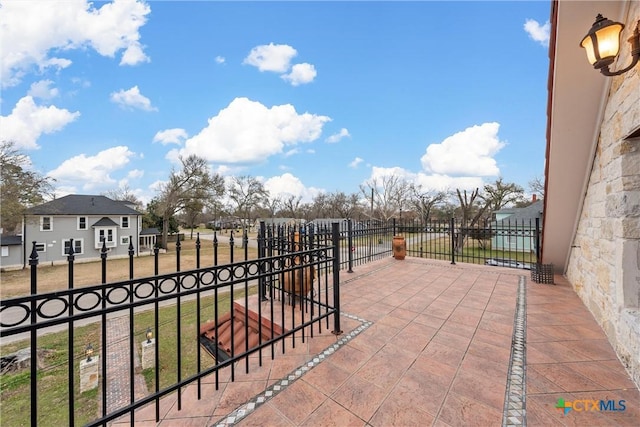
x,y
80,204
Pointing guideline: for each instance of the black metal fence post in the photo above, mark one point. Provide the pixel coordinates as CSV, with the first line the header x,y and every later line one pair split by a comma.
x,y
538,260
262,283
452,235
70,259
198,317
335,239
103,338
350,244
33,264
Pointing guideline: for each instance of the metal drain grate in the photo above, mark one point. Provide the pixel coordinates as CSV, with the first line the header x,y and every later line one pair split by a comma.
x,y
515,396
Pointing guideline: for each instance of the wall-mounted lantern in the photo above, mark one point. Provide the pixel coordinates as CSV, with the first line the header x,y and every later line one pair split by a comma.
x,y
602,45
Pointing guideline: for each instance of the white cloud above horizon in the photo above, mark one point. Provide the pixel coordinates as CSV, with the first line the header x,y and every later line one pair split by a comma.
x,y
289,185
466,153
30,40
42,90
336,137
28,121
247,132
271,57
537,32
300,74
89,173
356,162
277,58
171,136
132,99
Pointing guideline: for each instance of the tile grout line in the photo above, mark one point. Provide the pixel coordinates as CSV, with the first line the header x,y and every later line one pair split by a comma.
x,y
514,412
244,410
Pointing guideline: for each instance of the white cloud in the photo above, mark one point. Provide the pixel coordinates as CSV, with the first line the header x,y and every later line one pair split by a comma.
x,y
28,121
33,31
92,172
171,136
466,153
248,132
445,183
271,57
292,152
220,59
537,32
135,173
300,74
289,185
356,162
43,90
132,98
344,133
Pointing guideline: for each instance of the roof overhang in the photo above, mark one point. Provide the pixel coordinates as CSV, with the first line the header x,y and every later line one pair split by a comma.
x,y
576,102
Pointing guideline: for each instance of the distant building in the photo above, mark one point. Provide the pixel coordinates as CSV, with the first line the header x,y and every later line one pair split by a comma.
x,y
84,221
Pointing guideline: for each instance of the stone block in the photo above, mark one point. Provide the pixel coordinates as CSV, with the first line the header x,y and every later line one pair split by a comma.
x,y
89,373
148,353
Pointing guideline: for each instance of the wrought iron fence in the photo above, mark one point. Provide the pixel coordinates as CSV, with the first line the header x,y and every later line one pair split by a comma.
x,y
299,265
279,274
506,243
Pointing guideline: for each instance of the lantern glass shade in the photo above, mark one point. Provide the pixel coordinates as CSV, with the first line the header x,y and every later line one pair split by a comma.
x,y
607,42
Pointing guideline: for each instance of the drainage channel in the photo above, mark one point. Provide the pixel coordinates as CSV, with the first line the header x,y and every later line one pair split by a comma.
x,y
514,413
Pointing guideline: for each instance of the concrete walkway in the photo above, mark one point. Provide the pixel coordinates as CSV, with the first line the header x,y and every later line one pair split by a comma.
x,y
427,343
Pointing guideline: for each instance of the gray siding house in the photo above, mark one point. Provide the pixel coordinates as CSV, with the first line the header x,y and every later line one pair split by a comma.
x,y
514,228
11,252
88,220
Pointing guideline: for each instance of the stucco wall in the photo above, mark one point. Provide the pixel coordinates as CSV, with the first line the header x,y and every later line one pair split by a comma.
x,y
604,264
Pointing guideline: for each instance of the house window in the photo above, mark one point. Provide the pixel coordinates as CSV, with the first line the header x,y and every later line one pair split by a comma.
x,y
46,223
124,222
5,251
41,247
124,240
107,235
82,223
78,244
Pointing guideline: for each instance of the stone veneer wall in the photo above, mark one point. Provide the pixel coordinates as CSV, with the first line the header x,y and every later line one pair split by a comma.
x,y
604,264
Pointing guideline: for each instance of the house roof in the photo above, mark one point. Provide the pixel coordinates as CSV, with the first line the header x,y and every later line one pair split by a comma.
x,y
149,231
527,213
10,240
105,222
577,96
80,204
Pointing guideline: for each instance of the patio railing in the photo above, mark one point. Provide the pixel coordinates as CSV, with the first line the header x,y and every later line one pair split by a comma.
x,y
283,259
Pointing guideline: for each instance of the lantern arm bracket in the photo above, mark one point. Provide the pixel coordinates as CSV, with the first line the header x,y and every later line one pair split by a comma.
x,y
635,55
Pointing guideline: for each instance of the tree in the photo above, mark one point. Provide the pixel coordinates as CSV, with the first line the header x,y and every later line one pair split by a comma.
x,y
468,206
425,201
500,194
387,195
342,205
20,187
246,193
192,210
272,205
193,182
291,205
536,185
126,195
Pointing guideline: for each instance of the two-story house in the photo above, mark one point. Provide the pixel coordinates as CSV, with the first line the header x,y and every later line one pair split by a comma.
x,y
88,221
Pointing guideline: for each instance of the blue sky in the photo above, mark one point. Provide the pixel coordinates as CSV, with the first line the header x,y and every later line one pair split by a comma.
x,y
306,96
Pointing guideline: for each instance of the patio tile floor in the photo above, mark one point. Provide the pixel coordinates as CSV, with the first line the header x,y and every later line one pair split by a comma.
x,y
432,347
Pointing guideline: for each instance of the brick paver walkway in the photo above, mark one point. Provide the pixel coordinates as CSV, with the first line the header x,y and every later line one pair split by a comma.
x,y
118,372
